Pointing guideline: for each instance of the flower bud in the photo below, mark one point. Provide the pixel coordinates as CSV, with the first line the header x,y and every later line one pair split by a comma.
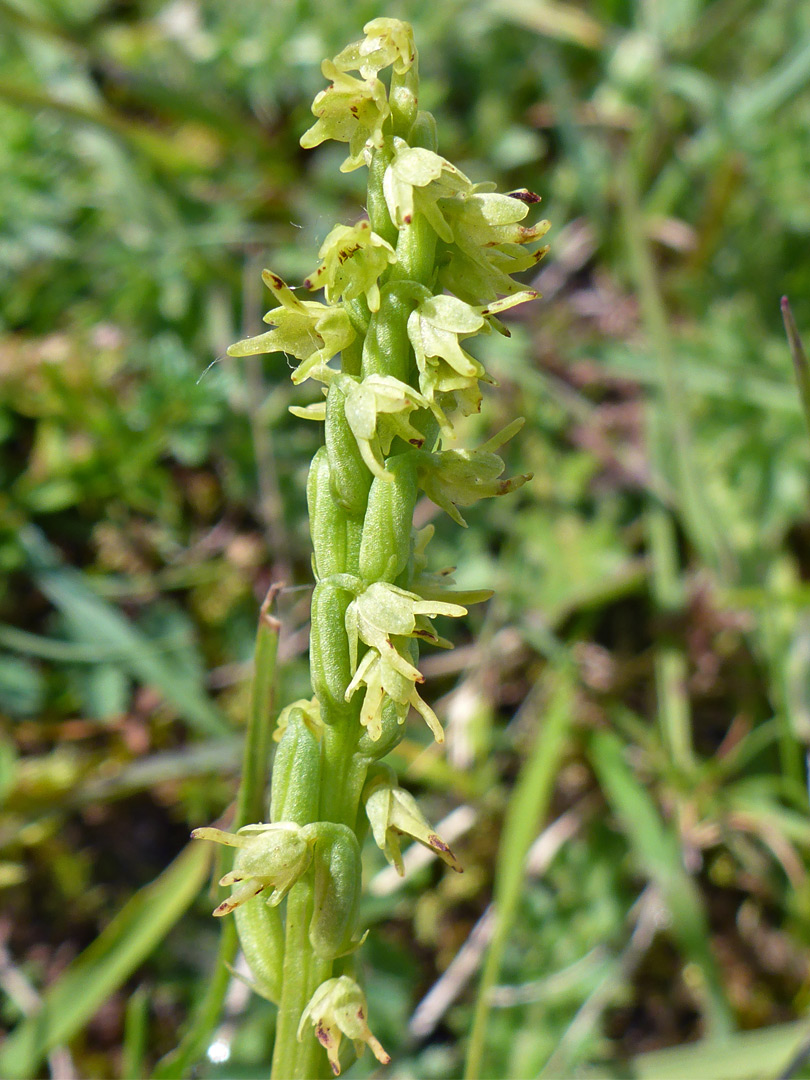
x,y
335,533
269,857
385,547
338,876
392,813
348,474
337,1008
296,772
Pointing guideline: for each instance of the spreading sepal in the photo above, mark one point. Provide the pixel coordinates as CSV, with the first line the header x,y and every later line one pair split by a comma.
x,y
311,332
337,1008
269,857
453,478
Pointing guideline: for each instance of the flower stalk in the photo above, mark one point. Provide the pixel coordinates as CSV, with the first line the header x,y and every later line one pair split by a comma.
x,y
430,268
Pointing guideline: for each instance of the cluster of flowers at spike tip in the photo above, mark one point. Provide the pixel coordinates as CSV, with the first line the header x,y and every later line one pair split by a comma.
x,y
337,1008
383,616
353,110
269,857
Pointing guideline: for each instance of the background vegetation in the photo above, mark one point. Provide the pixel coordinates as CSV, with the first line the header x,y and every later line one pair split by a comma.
x,y
640,686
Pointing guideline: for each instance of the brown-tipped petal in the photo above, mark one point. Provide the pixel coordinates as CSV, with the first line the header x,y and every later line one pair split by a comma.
x,y
239,896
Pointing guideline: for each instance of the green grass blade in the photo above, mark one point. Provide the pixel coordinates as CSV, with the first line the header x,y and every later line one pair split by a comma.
x,y
527,808
750,1055
93,620
125,943
657,852
799,358
251,806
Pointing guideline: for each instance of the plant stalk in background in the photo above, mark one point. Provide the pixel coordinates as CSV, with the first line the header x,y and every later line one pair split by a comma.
x,y
430,267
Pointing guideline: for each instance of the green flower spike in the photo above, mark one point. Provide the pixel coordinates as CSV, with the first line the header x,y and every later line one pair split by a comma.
x,y
414,182
352,259
307,330
349,110
383,610
393,813
269,856
387,42
337,1008
453,478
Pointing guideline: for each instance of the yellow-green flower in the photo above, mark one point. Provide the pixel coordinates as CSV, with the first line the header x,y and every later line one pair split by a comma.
x,y
349,110
392,813
352,259
337,1008
388,42
414,182
269,857
311,332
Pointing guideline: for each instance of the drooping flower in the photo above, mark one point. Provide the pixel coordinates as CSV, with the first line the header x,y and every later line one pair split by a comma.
x,y
392,813
376,409
453,478
436,327
414,182
352,259
269,857
311,332
349,110
337,1008
382,681
382,611
387,42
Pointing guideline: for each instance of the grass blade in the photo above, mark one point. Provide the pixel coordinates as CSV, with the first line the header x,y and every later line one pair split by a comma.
x,y
658,853
94,620
527,808
125,943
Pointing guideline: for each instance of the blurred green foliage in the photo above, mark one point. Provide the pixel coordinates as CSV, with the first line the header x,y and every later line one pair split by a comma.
x,y
658,565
